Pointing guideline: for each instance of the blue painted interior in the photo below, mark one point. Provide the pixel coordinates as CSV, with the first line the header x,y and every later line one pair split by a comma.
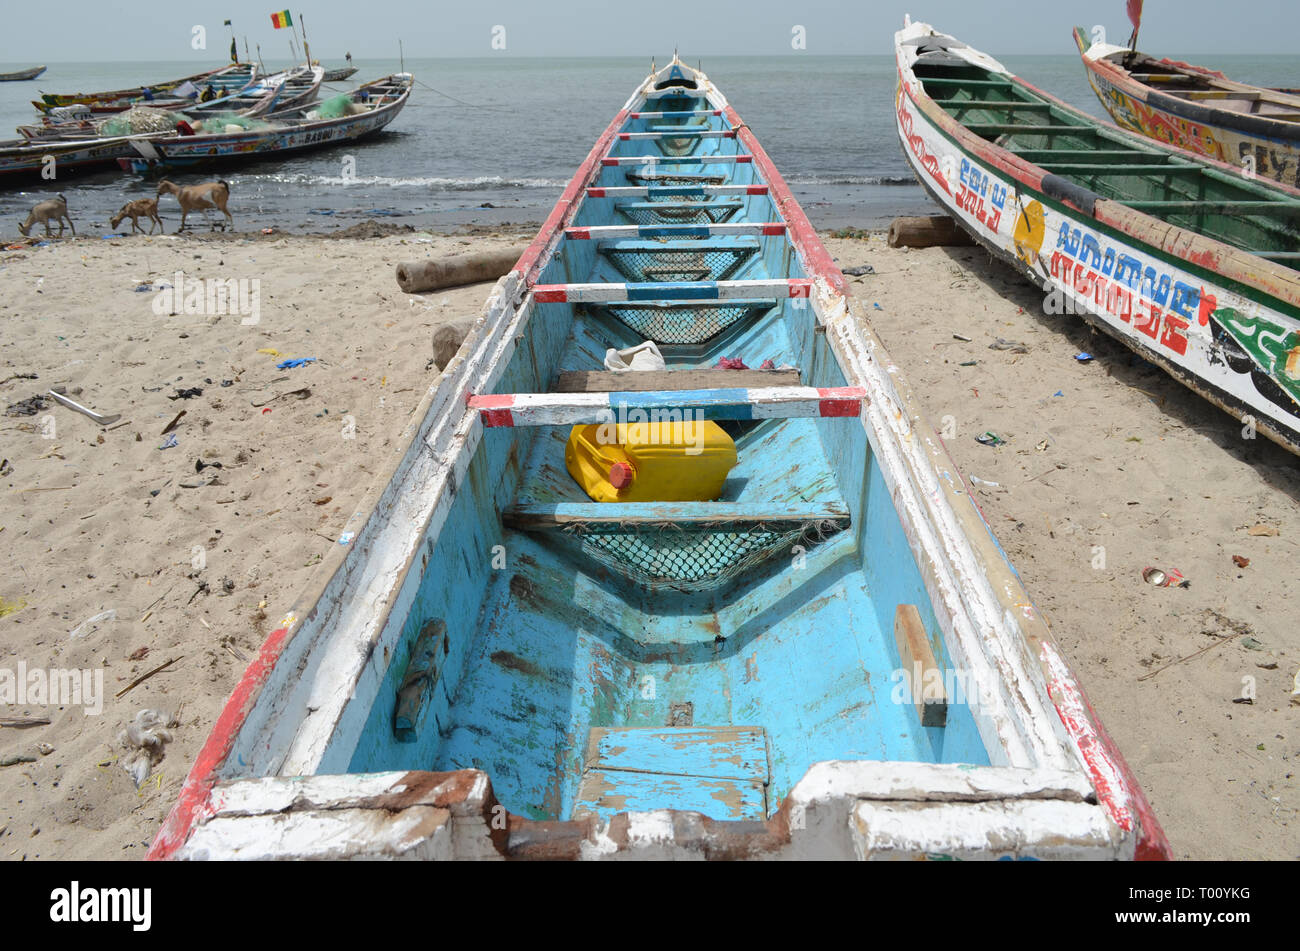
x,y
550,642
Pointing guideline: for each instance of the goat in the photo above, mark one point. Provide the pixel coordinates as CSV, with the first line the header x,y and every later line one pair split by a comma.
x,y
56,208
135,210
200,198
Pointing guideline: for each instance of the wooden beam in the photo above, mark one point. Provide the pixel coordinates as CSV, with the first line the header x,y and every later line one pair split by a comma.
x,y
728,515
923,674
640,381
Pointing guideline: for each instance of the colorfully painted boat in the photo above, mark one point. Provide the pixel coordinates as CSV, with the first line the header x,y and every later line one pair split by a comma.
x,y
21,74
1197,109
491,665
30,160
371,107
235,75
1179,257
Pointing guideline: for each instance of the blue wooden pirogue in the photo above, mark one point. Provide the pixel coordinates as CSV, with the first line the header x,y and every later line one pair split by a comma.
x,y
834,659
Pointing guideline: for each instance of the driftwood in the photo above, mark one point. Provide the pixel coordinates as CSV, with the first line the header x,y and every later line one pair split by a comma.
x,y
416,276
930,232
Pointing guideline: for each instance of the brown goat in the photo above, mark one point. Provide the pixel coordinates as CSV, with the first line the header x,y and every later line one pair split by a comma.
x,y
199,198
135,210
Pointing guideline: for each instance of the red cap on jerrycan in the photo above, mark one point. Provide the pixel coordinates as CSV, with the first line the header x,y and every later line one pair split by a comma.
x,y
621,475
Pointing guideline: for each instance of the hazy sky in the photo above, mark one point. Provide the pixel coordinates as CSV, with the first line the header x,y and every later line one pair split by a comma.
x,y
161,29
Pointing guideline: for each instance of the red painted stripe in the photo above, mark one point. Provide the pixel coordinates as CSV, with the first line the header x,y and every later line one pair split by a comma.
x,y
800,287
840,409
624,136
744,159
756,190
816,259
498,418
192,802
492,401
773,229
595,193
608,161
550,294
578,234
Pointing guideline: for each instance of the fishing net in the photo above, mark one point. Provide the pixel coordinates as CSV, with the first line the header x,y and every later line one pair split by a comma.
x,y
684,322
657,213
335,107
672,178
231,122
694,557
671,262
141,119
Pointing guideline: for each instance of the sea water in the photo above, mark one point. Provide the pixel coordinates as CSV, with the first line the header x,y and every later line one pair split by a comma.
x,y
494,140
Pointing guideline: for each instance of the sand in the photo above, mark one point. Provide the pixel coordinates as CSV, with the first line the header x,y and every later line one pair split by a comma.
x,y
1133,464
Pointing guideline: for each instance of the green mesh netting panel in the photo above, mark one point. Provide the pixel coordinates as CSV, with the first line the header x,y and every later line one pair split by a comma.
x,y
695,213
687,322
670,263
695,558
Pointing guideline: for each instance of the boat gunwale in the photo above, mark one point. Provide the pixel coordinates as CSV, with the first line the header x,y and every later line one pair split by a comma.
x,y
1208,256
927,489
1249,124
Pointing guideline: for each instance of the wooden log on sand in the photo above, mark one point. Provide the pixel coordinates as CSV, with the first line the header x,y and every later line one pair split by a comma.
x,y
929,232
416,276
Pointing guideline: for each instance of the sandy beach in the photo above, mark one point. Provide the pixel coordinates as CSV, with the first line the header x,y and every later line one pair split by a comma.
x,y
1108,467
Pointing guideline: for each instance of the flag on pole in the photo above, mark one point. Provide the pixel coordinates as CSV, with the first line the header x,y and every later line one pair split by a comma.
x,y
1135,13
234,51
281,19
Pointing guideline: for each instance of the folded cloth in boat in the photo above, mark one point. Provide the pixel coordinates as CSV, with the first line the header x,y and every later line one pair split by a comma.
x,y
644,356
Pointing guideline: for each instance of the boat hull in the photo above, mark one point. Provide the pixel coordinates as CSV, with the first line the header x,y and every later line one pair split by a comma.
x,y
254,145
1237,346
540,659
22,75
1270,148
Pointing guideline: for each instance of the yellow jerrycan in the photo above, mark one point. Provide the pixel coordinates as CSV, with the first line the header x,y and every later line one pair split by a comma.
x,y
668,461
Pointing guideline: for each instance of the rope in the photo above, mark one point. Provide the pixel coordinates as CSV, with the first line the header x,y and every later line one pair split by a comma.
x,y
454,99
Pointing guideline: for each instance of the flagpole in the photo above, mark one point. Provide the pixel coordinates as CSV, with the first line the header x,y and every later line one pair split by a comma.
x,y
306,50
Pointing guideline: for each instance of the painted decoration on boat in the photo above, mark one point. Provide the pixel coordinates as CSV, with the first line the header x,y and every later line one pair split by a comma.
x,y
1194,323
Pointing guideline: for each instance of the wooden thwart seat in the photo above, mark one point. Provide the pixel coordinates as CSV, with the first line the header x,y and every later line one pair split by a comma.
x,y
640,381
731,516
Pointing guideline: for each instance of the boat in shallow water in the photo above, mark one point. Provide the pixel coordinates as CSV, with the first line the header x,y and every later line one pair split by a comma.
x,y
833,659
1197,109
363,112
231,77
21,75
1181,258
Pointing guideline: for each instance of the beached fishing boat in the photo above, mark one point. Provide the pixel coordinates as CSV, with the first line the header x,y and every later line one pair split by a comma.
x,y
21,75
225,78
1197,109
489,664
1179,257
345,118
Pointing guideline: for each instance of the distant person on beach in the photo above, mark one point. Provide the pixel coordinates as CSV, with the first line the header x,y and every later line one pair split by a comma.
x,y
348,57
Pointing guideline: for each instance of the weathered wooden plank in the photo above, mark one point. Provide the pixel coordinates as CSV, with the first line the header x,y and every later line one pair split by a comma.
x,y
608,793
568,409
923,674
635,381
732,515
716,752
720,771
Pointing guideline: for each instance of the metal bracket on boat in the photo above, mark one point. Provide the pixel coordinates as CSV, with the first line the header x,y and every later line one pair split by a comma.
x,y
422,672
